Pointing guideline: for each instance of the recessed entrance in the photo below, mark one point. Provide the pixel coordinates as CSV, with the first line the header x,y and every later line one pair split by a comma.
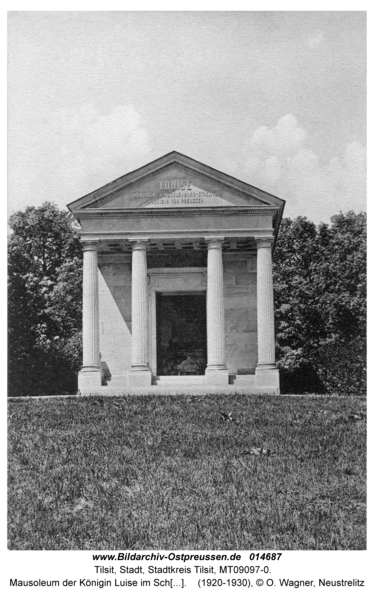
x,y
181,333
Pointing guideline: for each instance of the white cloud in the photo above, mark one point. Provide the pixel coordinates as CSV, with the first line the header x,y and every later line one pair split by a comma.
x,y
116,134
103,147
279,161
272,169
73,153
283,139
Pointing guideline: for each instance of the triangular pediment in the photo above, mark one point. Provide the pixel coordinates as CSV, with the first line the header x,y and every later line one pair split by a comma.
x,y
174,181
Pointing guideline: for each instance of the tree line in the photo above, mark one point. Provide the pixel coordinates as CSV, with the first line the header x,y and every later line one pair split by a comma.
x,y
319,297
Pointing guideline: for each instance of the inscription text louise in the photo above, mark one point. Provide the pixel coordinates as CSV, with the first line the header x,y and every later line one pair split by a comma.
x,y
175,184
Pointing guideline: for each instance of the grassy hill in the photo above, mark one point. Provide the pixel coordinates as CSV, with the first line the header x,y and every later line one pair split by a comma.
x,y
187,472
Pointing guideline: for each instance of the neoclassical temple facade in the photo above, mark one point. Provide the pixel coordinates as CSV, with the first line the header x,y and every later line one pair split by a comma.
x,y
177,281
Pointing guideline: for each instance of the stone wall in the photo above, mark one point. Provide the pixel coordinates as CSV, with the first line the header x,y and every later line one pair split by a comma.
x,y
115,314
240,313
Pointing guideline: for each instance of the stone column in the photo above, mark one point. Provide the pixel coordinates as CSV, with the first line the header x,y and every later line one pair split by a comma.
x,y
216,372
267,374
140,374
90,375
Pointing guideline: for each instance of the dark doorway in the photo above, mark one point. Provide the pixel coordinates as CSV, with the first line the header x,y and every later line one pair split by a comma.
x,y
181,334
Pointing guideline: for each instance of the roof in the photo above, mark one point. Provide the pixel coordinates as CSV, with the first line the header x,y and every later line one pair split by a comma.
x,y
119,194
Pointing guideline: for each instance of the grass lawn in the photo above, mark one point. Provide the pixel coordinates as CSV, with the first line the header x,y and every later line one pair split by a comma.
x,y
173,473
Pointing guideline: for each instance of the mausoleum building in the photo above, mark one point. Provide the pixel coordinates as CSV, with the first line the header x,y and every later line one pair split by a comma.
x,y
177,281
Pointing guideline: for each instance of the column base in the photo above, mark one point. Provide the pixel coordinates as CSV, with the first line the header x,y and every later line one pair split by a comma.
x,y
216,376
89,380
140,378
267,377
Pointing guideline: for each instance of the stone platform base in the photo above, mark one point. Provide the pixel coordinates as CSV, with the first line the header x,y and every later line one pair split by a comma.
x,y
216,377
169,390
268,378
89,381
265,381
244,381
174,385
140,378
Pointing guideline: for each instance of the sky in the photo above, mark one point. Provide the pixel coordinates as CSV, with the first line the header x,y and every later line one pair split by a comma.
x,y
275,99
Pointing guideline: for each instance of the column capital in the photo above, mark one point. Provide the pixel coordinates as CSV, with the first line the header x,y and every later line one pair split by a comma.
x,y
214,242
139,243
264,242
90,245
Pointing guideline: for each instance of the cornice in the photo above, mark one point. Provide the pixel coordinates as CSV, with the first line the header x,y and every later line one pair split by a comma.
x,y
173,212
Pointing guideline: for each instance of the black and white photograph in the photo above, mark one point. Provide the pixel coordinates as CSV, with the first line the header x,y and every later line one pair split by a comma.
x,y
187,292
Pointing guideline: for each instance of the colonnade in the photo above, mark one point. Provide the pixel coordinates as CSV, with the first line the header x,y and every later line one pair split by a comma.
x,y
216,370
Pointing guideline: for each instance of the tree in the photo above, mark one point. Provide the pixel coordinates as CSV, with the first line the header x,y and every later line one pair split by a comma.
x,y
320,304
45,288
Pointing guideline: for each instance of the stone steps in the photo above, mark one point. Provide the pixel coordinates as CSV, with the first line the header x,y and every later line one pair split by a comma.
x,y
247,381
182,384
116,382
177,380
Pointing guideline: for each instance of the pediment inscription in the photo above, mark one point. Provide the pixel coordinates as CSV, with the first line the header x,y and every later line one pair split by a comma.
x,y
184,195
175,186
